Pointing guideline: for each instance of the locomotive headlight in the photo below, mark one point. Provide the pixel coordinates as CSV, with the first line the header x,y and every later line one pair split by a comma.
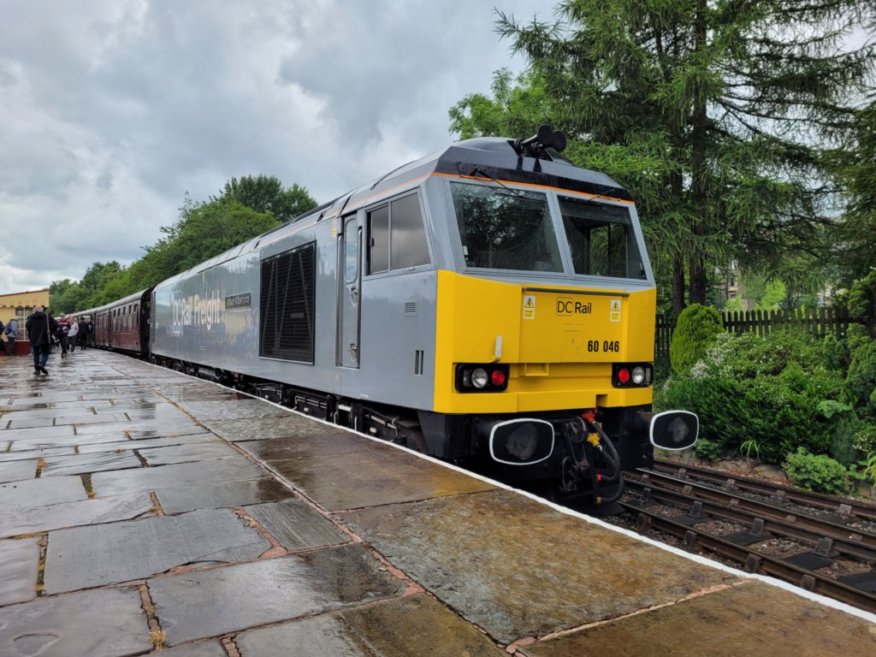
x,y
625,375
479,378
638,375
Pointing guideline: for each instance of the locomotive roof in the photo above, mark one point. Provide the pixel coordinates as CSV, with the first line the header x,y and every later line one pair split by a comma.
x,y
484,157
490,157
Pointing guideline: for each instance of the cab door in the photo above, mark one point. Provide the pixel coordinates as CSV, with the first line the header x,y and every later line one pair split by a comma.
x,y
349,293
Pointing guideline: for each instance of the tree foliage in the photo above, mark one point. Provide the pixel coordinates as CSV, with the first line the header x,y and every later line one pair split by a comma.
x,y
266,194
246,208
855,237
715,113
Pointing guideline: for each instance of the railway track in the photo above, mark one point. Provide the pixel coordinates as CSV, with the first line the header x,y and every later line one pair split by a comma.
x,y
823,544
844,507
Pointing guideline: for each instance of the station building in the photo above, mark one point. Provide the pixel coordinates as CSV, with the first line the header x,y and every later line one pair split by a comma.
x,y
19,305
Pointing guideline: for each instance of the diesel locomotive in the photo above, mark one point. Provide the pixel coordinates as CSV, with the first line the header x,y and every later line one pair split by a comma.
x,y
491,305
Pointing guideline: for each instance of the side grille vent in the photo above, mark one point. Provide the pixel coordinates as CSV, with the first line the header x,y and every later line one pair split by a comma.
x,y
410,308
287,305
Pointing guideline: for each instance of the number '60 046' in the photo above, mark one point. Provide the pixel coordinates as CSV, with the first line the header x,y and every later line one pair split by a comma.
x,y
606,345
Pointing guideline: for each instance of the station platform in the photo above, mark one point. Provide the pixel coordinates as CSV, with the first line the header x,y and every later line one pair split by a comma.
x,y
144,511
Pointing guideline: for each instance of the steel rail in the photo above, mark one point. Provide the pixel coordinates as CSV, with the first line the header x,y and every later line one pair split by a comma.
x,y
841,505
822,526
753,561
776,527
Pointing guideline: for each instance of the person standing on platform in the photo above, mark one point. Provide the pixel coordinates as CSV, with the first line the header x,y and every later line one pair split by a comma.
x,y
63,325
40,327
73,335
89,334
11,332
84,329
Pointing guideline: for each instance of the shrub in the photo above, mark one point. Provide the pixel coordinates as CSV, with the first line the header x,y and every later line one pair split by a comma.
x,y
707,450
696,330
750,390
862,301
835,352
861,379
842,446
750,355
865,440
870,469
816,472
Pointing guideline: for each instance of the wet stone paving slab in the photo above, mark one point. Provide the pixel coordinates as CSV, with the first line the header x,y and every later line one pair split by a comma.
x,y
177,499
722,624
124,551
91,462
375,474
36,493
395,628
17,521
195,606
19,561
289,426
149,513
234,467
99,623
296,525
18,470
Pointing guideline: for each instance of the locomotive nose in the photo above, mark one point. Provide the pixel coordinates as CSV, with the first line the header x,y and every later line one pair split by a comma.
x,y
521,441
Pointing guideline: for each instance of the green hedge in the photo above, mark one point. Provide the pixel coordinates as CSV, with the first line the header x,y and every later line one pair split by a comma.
x,y
695,332
765,393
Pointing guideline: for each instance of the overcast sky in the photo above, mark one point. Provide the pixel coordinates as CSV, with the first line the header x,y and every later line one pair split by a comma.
x,y
111,110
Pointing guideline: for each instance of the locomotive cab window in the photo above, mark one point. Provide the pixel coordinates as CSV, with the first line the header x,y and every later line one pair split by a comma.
x,y
602,239
504,228
351,251
396,236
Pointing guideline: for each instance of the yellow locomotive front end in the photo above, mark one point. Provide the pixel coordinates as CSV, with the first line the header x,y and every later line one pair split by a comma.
x,y
562,345
544,336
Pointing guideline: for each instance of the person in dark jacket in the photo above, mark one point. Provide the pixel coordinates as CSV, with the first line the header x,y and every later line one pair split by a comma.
x,y
40,328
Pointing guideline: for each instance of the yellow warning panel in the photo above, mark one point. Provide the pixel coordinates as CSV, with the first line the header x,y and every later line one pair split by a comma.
x,y
528,306
614,313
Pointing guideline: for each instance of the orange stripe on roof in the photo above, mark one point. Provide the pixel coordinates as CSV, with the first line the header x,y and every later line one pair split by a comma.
x,y
514,183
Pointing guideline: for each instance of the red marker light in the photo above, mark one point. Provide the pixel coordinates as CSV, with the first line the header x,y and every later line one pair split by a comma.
x,y
497,378
623,375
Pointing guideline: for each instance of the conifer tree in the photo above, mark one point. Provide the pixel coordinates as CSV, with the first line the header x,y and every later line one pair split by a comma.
x,y
716,113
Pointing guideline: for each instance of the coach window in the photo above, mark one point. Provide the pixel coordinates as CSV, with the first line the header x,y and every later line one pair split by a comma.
x,y
397,237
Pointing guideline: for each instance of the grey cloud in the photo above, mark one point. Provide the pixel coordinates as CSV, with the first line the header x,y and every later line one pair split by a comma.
x,y
114,109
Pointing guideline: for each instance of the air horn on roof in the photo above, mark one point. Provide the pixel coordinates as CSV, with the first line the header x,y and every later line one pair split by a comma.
x,y
535,146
